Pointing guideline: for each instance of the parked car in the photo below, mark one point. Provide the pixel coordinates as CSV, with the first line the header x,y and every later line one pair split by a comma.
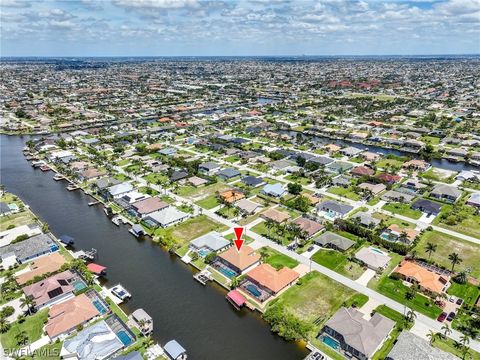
x,y
311,248
451,316
442,317
459,301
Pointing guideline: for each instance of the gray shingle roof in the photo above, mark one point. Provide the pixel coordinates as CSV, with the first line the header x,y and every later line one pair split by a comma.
x,y
334,239
410,346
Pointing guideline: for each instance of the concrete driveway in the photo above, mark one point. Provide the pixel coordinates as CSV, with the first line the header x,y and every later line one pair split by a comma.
x,y
366,277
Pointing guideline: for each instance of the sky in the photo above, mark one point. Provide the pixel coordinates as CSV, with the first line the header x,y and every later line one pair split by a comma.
x,y
238,28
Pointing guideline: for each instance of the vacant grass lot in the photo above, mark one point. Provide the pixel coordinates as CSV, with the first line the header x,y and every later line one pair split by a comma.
x,y
389,220
384,163
338,262
261,229
191,229
202,191
278,260
402,209
209,202
32,326
316,298
446,244
345,192
18,219
470,226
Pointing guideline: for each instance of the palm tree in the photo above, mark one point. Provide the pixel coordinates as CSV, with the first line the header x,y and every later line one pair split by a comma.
x,y
432,335
465,340
234,282
431,248
409,295
269,225
446,330
411,315
28,302
454,259
4,325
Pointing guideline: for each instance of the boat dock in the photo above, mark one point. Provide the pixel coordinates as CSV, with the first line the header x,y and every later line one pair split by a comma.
x,y
88,255
203,277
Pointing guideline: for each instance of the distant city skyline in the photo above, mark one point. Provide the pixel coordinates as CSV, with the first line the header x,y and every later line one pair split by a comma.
x,y
238,28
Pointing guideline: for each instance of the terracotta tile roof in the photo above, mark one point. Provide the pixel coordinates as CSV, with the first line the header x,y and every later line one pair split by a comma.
x,y
411,233
69,314
310,226
242,259
50,288
45,264
275,215
149,205
232,195
426,279
270,278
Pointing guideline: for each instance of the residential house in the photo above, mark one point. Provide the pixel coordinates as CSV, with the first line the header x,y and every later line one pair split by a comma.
x,y
51,290
366,219
395,233
65,317
308,226
231,196
168,151
167,216
351,151
239,261
269,279
409,346
253,181
197,181
445,193
147,206
275,215
248,207
47,264
416,164
117,191
389,178
228,173
275,190
30,248
334,241
362,171
209,168
354,334
474,200
178,175
373,258
427,206
210,242
429,281
332,210
373,188
396,196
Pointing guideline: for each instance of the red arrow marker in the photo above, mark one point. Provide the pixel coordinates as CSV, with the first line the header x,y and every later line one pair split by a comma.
x,y
239,241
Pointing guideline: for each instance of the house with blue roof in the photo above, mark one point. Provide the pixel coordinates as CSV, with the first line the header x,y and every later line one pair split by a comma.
x,y
275,190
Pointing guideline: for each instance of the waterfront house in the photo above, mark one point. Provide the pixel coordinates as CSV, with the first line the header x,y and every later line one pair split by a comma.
x,y
7,236
210,242
349,332
445,193
332,210
334,241
428,280
228,173
239,261
147,206
427,206
372,257
47,264
466,175
117,191
175,351
142,321
265,281
166,217
351,151
6,209
308,226
51,290
208,168
409,346
65,317
91,173
30,248
274,190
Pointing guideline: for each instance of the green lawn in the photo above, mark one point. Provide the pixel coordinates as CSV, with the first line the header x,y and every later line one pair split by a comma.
x,y
191,229
436,175
469,225
345,192
278,260
315,299
47,352
447,244
156,178
402,209
298,179
448,345
468,292
383,163
261,229
389,220
18,219
395,290
33,327
338,262
209,202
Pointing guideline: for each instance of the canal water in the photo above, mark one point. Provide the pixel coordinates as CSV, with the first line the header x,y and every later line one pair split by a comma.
x,y
439,163
182,309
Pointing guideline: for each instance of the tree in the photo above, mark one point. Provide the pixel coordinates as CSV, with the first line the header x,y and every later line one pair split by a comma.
x,y
432,335
446,330
454,259
4,325
430,248
411,315
461,277
27,301
21,338
234,282
409,295
294,188
269,224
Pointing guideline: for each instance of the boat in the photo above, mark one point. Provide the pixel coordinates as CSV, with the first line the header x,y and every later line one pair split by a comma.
x,y
72,187
58,177
120,292
137,230
38,163
45,168
175,351
116,220
66,240
95,202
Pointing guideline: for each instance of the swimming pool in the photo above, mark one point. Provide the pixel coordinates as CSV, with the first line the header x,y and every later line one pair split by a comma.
x,y
252,289
227,272
378,251
78,285
203,252
124,338
330,342
101,309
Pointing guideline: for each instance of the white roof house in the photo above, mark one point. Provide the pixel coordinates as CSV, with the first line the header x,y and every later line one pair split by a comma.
x,y
373,258
168,216
213,241
119,190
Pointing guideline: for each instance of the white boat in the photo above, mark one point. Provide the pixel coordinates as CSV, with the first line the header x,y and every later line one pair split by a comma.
x,y
116,220
72,187
37,164
58,177
120,292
